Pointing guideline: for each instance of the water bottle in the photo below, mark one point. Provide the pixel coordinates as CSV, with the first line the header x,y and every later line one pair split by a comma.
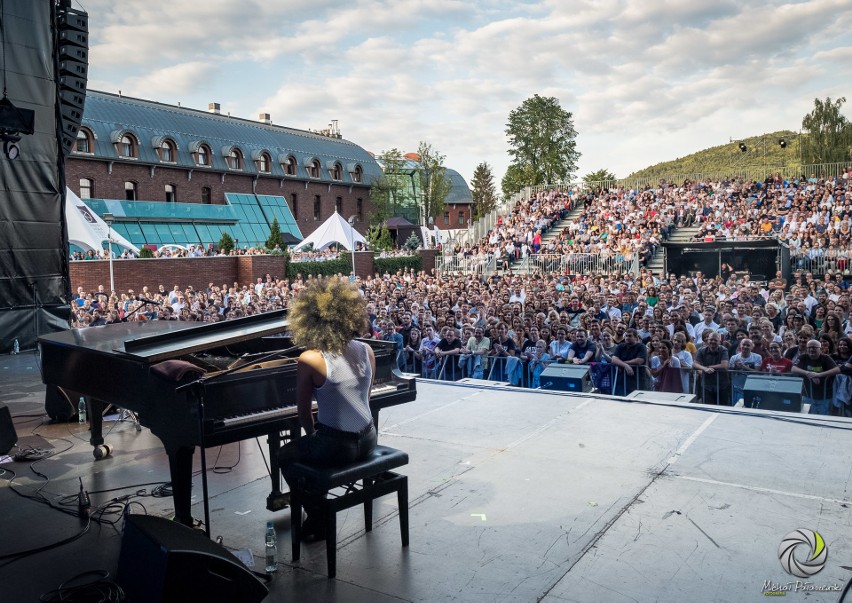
x,y
81,410
16,346
271,549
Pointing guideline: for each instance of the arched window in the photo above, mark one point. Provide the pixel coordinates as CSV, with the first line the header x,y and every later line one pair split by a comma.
x,y
202,155
264,163
338,205
127,146
87,188
85,142
358,174
235,159
171,193
314,169
130,191
168,151
206,196
337,172
291,167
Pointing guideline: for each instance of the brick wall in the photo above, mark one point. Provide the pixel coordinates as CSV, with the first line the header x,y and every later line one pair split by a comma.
x,y
198,272
109,184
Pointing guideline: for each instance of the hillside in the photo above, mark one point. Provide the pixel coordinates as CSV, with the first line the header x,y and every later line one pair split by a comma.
x,y
761,152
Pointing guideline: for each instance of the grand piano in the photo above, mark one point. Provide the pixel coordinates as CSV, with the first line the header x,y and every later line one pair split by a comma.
x,y
248,387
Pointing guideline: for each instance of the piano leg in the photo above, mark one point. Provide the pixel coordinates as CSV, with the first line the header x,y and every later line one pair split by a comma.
x,y
96,422
276,499
180,467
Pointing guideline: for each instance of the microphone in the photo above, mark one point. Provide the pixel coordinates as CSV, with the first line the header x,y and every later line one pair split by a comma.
x,y
84,505
149,301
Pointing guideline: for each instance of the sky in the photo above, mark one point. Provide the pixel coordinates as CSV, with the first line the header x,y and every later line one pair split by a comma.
x,y
646,81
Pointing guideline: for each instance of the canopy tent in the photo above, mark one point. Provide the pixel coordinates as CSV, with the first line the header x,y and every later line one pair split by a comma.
x,y
333,230
397,222
86,229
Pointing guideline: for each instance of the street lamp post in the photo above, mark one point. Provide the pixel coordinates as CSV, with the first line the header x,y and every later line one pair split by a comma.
x,y
109,219
352,242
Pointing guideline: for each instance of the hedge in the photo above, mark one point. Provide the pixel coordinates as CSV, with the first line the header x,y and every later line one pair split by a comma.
x,y
327,268
391,265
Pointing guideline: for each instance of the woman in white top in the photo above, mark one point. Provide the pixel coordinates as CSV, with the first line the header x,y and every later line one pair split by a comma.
x,y
338,371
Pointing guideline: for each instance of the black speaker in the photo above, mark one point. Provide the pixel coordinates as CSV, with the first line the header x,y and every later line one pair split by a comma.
x,y
773,392
163,560
567,378
72,32
8,436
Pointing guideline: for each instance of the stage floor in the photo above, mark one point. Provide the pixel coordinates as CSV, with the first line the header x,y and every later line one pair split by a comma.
x,y
515,495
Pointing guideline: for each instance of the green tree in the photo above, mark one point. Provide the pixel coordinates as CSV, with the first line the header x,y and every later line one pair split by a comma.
x,y
379,238
829,134
275,237
226,243
388,190
516,178
542,140
597,178
434,181
412,243
484,192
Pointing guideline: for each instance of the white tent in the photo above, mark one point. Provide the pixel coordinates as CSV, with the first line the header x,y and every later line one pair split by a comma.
x,y
333,230
86,229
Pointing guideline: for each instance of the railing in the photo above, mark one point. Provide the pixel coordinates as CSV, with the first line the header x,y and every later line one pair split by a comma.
x,y
582,263
446,264
820,262
722,387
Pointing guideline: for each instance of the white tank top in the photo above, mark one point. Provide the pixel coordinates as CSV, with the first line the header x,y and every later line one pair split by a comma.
x,y
343,401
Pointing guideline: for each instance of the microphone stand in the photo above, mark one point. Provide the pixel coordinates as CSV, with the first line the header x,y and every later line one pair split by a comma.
x,y
198,387
139,307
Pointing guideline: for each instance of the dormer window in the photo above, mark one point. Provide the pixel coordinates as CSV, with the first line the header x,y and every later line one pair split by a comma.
x,y
234,159
264,163
291,166
168,151
85,141
314,169
356,172
127,146
337,171
201,154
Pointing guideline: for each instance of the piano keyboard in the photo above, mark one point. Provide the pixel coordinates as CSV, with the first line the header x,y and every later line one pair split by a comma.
x,y
271,414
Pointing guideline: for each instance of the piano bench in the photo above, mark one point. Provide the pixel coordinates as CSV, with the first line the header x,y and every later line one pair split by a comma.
x,y
316,486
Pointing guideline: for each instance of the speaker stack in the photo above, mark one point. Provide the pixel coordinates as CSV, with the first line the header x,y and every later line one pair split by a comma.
x,y
163,560
72,29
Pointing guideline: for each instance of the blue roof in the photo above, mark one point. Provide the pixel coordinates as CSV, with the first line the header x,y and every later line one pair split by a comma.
x,y
110,116
459,191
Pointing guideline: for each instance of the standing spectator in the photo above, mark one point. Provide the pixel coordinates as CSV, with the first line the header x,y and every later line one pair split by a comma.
x,y
744,362
712,361
819,370
631,357
581,351
707,323
775,362
560,347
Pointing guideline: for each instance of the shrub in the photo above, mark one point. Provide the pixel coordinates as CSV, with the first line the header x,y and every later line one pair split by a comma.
x,y
331,267
146,252
391,265
226,243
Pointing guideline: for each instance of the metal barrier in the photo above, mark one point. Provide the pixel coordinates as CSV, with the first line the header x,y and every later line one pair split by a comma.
x,y
445,264
820,262
579,263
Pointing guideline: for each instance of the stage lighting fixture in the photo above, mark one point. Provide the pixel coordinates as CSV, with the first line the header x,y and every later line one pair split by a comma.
x,y
782,143
743,148
10,146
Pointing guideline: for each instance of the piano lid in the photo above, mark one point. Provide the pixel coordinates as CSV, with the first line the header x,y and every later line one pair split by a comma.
x,y
158,340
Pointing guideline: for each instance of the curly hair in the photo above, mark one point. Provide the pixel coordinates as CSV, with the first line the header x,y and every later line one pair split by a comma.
x,y
327,315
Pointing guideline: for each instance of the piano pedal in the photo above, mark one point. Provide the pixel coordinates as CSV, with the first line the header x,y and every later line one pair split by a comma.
x,y
277,501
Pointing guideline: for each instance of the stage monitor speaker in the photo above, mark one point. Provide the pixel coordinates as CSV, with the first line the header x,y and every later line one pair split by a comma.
x,y
72,28
8,436
773,392
163,560
566,378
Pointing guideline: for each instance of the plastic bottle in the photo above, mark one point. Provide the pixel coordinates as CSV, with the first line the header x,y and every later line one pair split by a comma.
x,y
271,549
16,346
81,410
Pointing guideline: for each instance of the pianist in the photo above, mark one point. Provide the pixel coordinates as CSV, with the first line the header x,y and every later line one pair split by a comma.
x,y
338,371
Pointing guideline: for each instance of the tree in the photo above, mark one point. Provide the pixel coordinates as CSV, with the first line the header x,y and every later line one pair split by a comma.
x,y
829,133
516,178
434,182
596,179
542,141
226,243
412,243
388,190
379,238
484,193
275,238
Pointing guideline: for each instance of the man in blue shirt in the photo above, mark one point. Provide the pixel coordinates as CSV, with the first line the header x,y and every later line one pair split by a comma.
x,y
582,351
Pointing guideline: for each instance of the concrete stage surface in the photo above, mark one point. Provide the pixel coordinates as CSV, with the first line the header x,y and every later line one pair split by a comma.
x,y
515,495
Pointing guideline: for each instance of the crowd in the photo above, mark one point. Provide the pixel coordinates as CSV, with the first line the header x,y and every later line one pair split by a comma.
x,y
510,327
685,333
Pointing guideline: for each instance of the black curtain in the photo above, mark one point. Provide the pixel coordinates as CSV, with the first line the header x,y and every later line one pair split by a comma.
x,y
34,285
758,258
